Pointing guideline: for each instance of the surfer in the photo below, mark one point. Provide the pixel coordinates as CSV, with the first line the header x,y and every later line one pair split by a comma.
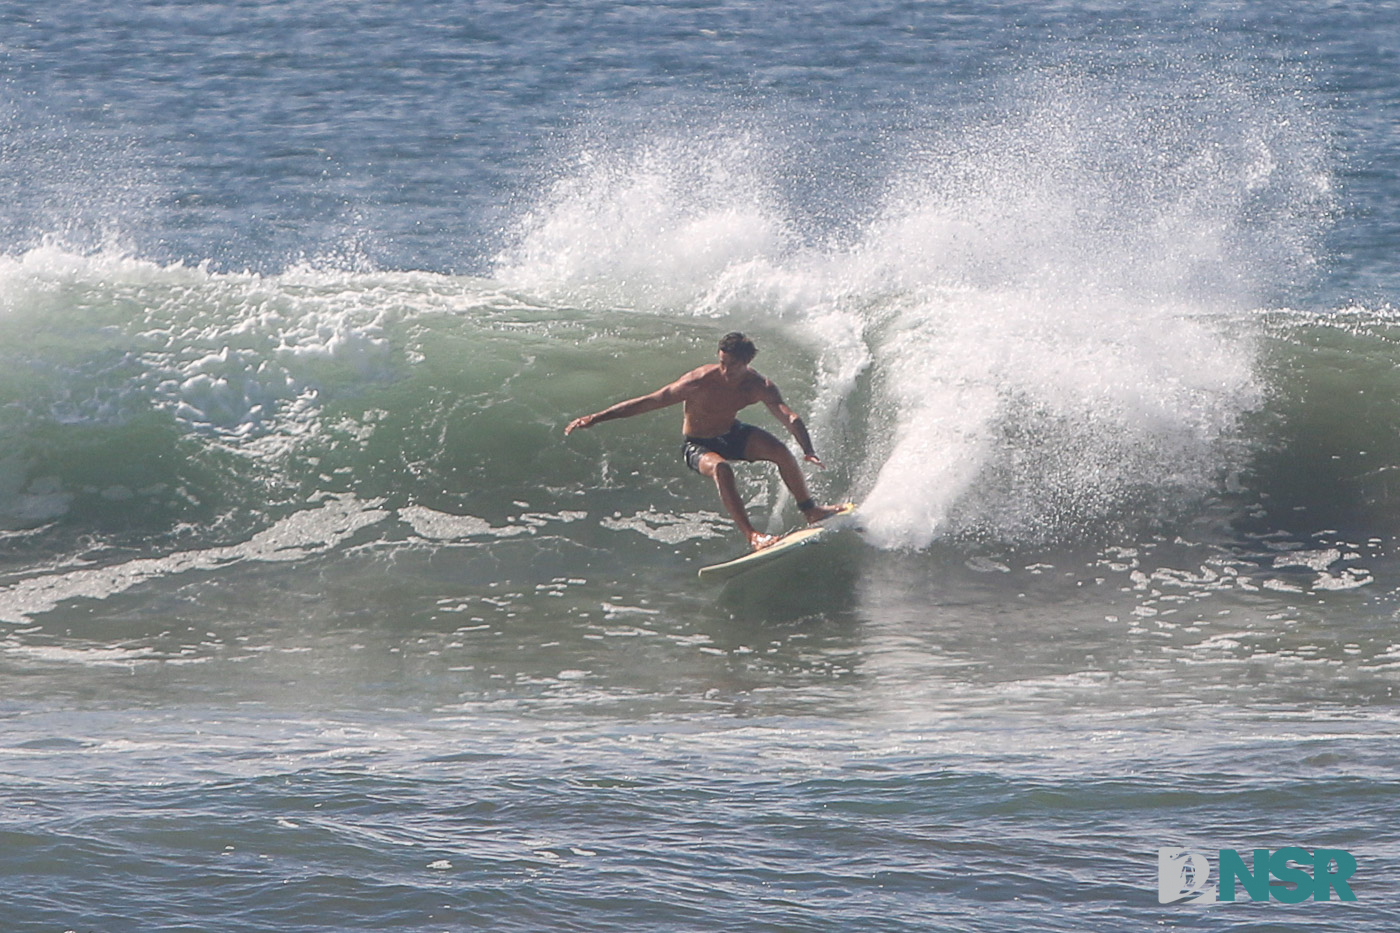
x,y
712,396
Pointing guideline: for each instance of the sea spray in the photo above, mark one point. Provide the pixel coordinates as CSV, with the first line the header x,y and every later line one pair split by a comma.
x,y
1060,362
653,227
1025,339
1035,332
1024,421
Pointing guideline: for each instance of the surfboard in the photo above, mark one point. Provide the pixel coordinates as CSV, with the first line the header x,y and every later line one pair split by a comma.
x,y
783,547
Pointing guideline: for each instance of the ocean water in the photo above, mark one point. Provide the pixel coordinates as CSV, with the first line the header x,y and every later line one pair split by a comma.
x,y
311,618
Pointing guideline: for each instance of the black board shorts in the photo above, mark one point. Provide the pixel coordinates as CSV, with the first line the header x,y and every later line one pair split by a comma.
x,y
729,445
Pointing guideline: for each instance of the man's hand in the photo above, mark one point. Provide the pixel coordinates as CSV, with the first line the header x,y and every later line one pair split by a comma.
x,y
585,422
814,459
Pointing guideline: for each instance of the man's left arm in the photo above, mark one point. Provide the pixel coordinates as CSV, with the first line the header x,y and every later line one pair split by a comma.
x,y
790,420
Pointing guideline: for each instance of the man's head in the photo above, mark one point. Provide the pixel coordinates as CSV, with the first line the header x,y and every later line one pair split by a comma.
x,y
738,346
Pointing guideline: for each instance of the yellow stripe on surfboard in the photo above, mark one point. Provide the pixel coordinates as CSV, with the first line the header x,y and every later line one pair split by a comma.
x,y
783,546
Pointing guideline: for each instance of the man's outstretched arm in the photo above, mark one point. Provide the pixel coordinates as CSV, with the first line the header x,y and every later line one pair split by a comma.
x,y
661,398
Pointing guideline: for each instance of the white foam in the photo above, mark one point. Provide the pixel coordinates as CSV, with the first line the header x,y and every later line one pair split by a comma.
x,y
668,528
1318,560
296,537
441,526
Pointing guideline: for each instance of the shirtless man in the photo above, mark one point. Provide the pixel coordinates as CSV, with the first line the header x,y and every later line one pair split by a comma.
x,y
712,396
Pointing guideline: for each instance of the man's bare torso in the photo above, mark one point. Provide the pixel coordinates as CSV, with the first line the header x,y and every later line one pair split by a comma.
x,y
712,402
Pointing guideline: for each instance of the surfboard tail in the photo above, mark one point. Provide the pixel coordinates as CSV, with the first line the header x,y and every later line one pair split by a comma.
x,y
783,547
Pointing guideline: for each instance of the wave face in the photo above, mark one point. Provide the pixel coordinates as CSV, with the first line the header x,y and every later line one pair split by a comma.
x,y
173,408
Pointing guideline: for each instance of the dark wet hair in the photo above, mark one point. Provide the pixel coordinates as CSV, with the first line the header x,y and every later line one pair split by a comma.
x,y
739,346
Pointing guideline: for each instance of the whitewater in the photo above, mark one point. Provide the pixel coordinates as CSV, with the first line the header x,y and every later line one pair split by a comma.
x,y
311,617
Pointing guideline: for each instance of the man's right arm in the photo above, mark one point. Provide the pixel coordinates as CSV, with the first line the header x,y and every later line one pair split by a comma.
x,y
661,398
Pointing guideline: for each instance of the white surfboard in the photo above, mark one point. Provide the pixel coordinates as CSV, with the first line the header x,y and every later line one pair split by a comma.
x,y
783,547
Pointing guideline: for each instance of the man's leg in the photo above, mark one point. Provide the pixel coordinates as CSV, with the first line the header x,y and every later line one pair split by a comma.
x,y
764,446
718,468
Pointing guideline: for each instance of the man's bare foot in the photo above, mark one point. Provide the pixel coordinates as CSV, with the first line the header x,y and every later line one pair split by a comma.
x,y
819,512
758,540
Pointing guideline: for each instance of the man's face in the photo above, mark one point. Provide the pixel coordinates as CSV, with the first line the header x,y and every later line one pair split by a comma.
x,y
730,361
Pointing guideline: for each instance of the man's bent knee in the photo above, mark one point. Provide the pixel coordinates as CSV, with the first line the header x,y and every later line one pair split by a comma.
x,y
764,446
712,464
